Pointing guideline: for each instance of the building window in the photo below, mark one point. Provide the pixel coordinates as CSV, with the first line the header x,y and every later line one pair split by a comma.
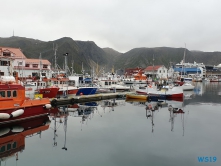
x,y
34,74
6,54
45,66
27,65
5,63
35,65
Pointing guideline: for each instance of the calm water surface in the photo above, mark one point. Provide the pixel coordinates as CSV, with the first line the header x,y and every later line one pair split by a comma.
x,y
131,135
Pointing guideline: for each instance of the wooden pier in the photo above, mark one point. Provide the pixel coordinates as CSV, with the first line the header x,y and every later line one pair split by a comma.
x,y
87,98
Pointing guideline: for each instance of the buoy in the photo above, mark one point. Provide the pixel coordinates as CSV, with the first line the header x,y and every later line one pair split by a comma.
x,y
4,131
17,113
47,106
17,129
4,116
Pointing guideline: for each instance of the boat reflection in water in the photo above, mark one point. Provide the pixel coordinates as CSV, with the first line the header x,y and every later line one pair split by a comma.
x,y
86,110
175,108
110,104
12,136
60,117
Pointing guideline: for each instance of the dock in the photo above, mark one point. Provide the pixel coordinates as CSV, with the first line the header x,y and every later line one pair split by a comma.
x,y
87,98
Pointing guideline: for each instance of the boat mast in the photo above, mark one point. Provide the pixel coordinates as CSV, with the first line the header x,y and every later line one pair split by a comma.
x,y
55,59
65,64
153,68
40,67
184,56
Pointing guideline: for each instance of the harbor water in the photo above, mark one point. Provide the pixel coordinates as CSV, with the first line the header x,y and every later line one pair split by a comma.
x,y
117,132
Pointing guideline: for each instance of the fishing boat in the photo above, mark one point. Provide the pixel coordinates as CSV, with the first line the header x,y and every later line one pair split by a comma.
x,y
15,106
187,86
138,78
169,93
40,87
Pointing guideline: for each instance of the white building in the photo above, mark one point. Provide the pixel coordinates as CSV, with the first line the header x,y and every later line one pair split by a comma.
x,y
12,59
159,71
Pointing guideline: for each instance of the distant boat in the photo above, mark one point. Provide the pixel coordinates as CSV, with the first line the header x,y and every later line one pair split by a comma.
x,y
170,93
187,86
138,78
40,87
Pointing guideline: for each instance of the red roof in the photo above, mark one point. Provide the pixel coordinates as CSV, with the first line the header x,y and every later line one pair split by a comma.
x,y
17,53
151,68
37,61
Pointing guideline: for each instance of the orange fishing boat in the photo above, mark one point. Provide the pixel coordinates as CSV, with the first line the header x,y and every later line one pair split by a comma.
x,y
15,106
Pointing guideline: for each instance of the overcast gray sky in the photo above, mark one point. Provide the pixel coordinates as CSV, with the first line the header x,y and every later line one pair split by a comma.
x,y
118,24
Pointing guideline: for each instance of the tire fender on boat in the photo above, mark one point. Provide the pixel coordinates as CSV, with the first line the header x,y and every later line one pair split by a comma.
x,y
16,113
17,129
47,106
4,116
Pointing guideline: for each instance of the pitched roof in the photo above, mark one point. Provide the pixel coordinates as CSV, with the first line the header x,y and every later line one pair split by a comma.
x,y
16,52
37,61
151,68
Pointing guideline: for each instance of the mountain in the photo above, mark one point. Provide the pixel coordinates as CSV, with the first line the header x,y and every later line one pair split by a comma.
x,y
80,53
143,57
89,55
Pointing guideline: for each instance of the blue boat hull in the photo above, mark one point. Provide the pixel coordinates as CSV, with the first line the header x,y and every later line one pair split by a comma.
x,y
86,91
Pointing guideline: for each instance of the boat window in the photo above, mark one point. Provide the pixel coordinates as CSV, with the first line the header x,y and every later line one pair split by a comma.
x,y
14,93
14,145
2,149
9,146
2,93
8,93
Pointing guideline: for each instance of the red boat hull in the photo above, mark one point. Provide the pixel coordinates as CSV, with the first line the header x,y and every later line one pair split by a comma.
x,y
70,92
32,109
49,92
